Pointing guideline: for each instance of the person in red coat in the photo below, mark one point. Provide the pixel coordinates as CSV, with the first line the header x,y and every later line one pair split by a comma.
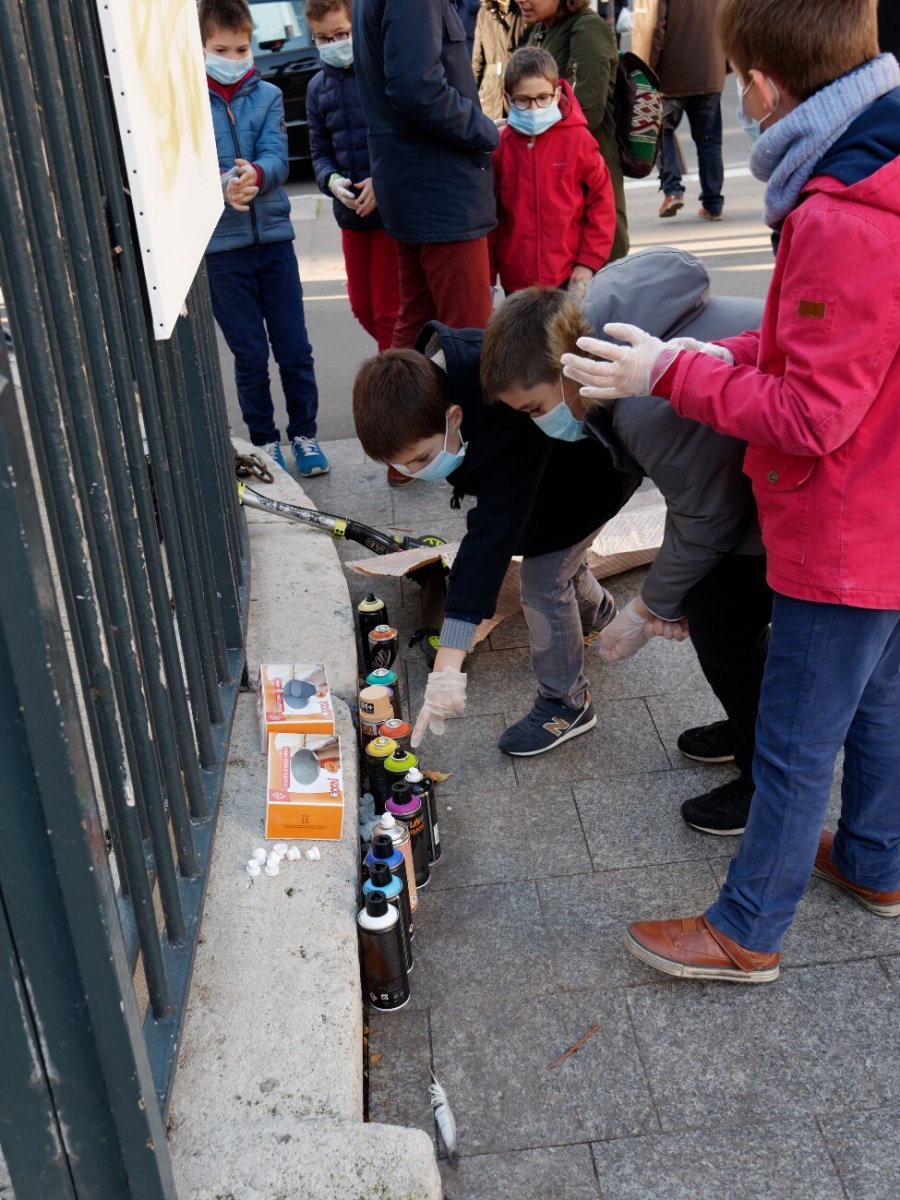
x,y
556,210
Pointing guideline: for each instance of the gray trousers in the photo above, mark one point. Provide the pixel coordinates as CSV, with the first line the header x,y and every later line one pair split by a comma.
x,y
560,600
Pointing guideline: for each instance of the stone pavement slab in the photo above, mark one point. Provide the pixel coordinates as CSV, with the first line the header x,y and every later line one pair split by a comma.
x,y
565,1171
863,1147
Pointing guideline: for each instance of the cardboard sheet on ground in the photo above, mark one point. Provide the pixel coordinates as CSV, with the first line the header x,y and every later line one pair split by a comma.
x,y
631,539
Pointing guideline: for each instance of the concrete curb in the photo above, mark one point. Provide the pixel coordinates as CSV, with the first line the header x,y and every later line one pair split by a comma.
x,y
268,1096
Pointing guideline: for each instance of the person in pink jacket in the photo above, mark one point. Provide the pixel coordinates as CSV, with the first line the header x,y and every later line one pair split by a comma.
x,y
556,212
816,394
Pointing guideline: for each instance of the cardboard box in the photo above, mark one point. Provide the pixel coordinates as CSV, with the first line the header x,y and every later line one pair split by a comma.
x,y
293,699
304,787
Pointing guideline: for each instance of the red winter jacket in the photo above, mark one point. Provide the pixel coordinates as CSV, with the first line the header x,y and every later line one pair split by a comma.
x,y
555,204
816,391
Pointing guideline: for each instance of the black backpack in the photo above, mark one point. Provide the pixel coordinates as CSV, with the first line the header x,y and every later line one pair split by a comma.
x,y
636,120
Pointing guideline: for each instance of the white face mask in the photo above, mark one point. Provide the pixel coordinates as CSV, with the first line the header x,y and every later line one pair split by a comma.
x,y
443,464
227,70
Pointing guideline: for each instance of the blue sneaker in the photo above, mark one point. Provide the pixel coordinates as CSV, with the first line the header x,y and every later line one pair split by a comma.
x,y
273,449
309,456
549,724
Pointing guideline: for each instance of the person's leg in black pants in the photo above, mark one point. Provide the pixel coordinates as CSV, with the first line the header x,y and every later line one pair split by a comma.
x,y
729,612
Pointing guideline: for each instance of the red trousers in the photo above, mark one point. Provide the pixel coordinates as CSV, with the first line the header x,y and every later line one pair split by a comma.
x,y
373,287
442,281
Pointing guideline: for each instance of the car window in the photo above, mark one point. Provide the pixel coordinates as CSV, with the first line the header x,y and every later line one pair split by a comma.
x,y
278,25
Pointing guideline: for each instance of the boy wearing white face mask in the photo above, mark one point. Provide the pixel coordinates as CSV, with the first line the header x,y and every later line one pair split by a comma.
x,y
253,276
421,411
555,205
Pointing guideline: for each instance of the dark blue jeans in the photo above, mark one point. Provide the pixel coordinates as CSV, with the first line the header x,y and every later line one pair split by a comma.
x,y
832,679
254,290
704,116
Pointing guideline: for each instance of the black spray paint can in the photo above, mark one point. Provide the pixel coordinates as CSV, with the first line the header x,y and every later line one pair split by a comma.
x,y
370,611
423,787
408,808
381,949
384,643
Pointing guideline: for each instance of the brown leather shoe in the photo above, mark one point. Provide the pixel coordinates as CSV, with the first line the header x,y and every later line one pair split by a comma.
x,y
671,205
706,215
691,948
396,478
883,904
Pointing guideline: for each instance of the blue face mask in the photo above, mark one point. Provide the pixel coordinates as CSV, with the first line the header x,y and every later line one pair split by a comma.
x,y
560,424
227,70
337,54
748,123
534,121
443,464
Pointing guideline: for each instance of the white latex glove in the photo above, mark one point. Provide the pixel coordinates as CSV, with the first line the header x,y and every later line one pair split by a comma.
x,y
445,696
626,633
342,189
689,343
627,370
239,187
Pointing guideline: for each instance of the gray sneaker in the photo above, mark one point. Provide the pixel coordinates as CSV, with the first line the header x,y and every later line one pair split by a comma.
x,y
549,724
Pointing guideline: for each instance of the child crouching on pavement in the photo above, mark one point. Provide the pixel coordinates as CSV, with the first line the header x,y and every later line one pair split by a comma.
x,y
556,212
815,393
421,411
338,142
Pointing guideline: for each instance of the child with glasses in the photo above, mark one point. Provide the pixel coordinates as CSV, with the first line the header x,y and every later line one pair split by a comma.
x,y
555,206
340,157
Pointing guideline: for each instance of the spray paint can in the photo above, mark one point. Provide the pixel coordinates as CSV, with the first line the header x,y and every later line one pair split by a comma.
x,y
383,849
385,677
423,787
397,764
374,708
376,752
400,731
370,611
384,968
389,826
383,645
381,880
407,807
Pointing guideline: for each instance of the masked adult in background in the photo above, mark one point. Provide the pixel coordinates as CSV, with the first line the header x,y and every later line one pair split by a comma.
x,y
709,575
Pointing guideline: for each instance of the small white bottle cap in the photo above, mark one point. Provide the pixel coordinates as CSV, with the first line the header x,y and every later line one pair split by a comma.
x,y
293,854
313,854
259,855
272,866
280,848
253,868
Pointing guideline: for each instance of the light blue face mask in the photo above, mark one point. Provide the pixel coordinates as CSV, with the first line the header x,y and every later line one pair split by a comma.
x,y
227,70
337,54
749,124
443,464
534,121
559,423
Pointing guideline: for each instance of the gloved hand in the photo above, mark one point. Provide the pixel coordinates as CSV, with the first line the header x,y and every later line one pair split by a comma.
x,y
627,370
689,343
626,633
342,189
445,696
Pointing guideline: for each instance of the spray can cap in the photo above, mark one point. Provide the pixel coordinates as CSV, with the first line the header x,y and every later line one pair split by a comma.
x,y
414,775
386,821
376,904
380,874
370,604
382,845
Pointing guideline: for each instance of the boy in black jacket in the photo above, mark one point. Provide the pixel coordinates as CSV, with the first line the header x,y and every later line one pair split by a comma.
x,y
421,411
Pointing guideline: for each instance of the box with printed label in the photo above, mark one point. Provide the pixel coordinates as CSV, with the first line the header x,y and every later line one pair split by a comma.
x,y
293,699
304,787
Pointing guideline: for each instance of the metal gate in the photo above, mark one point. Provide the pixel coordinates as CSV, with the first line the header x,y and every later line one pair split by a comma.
x,y
123,602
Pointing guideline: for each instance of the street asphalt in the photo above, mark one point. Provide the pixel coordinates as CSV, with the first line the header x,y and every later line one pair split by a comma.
x,y
677,1091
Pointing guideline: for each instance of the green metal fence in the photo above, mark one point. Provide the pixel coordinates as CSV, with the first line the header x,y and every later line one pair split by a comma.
x,y
123,603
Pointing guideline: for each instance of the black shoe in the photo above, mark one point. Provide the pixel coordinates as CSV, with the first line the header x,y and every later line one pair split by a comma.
x,y
708,743
723,811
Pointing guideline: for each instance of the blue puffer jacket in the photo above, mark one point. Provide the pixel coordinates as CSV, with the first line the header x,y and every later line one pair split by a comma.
x,y
429,142
338,138
257,133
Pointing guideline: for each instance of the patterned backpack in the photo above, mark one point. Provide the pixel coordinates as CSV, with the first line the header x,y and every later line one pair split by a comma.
x,y
636,120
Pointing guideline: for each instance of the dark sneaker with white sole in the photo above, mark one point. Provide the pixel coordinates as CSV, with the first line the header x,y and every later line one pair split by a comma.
x,y
548,725
708,743
722,811
605,613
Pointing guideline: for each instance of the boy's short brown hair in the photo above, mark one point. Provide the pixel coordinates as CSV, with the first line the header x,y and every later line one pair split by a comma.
x,y
525,337
530,62
804,44
315,10
228,15
399,398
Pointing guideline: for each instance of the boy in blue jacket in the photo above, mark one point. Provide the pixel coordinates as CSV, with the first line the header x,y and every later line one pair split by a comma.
x,y
340,157
253,275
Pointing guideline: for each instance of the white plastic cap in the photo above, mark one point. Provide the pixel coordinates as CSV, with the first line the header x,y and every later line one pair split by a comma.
x,y
253,868
414,775
259,855
280,848
387,821
293,854
313,853
272,866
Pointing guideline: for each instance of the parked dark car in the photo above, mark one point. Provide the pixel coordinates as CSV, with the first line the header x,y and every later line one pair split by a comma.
x,y
284,54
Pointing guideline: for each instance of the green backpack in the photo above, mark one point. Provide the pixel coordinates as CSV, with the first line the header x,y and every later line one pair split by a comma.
x,y
637,113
